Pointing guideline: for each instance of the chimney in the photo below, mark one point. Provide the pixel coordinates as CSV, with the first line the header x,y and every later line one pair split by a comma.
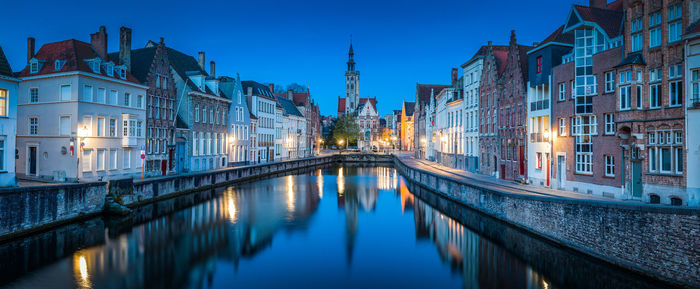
x,y
200,59
535,44
212,68
490,42
272,88
454,76
98,41
30,48
250,91
598,3
125,47
290,95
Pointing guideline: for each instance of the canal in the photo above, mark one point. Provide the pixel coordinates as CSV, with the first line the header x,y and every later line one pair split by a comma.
x,y
330,227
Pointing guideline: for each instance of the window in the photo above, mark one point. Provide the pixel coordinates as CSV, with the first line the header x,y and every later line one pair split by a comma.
x,y
652,159
3,102
87,160
87,123
675,71
126,128
139,101
3,167
675,28
87,93
33,126
562,126
654,29
610,81
139,126
65,92
637,36
675,93
654,97
100,126
132,128
33,66
157,81
538,164
101,95
539,64
625,98
211,116
609,166
101,160
584,130
678,153
639,97
113,97
609,123
113,159
127,99
127,158
204,114
33,95
665,159
64,125
679,138
112,127
695,87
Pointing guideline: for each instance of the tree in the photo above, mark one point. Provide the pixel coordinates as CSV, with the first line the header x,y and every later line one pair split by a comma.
x,y
346,129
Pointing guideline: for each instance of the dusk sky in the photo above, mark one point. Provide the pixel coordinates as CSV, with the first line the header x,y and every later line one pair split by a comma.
x,y
397,43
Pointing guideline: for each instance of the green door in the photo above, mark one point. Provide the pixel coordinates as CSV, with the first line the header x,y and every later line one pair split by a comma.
x,y
637,179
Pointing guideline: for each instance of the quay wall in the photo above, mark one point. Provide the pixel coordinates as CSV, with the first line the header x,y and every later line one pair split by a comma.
x,y
655,240
26,210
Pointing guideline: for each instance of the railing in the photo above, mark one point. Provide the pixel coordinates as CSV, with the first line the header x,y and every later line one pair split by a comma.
x,y
540,104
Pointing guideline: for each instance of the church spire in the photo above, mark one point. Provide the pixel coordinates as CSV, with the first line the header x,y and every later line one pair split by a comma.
x,y
351,57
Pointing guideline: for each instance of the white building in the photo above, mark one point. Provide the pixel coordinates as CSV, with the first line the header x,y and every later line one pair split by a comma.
x,y
293,130
449,129
80,116
367,118
8,122
692,114
471,78
262,104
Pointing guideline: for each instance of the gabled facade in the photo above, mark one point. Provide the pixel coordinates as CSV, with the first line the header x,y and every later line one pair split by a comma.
x,y
448,130
586,152
151,67
541,60
424,94
76,106
8,122
367,118
238,120
292,130
490,91
406,131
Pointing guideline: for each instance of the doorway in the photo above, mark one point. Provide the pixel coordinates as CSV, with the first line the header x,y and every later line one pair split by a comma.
x,y
163,167
561,171
32,160
636,179
503,172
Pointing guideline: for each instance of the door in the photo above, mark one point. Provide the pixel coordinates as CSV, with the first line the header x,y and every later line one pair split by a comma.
x,y
521,159
503,172
561,171
546,156
171,156
32,161
637,179
163,167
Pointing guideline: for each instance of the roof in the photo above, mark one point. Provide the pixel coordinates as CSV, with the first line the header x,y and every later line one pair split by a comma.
x,y
372,100
258,88
341,104
479,54
74,52
183,63
409,106
523,49
288,106
423,91
609,19
500,53
141,60
5,68
179,123
633,59
557,37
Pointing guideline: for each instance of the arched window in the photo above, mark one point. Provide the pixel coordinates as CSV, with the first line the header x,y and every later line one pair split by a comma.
x,y
654,199
676,201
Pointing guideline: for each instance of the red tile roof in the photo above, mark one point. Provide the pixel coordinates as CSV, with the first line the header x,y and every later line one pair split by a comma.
x,y
74,52
610,19
558,36
341,105
501,55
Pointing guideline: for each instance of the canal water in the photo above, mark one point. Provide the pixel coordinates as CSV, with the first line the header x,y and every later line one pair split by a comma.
x,y
331,227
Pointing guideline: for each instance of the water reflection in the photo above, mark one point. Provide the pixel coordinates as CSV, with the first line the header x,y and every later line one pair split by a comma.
x,y
277,232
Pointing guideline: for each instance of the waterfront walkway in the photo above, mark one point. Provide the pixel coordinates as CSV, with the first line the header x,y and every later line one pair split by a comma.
x,y
502,185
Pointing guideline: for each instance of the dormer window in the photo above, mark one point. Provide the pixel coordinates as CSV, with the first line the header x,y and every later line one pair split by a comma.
x,y
34,66
122,73
94,64
58,64
109,68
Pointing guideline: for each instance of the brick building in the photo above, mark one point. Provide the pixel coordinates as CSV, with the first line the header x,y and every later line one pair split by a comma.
x,y
651,117
511,110
424,93
585,146
490,90
151,66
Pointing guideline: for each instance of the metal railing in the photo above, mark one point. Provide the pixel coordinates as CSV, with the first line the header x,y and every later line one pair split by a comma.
x,y
540,104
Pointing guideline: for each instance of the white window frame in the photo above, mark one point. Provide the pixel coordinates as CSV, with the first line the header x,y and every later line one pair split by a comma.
x,y
609,123
33,95
33,128
609,166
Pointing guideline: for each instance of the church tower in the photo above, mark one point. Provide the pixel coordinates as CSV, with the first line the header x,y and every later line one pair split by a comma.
x,y
352,84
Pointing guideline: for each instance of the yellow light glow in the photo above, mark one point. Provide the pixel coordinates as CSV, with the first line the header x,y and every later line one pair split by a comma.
x,y
545,285
319,182
232,210
290,193
341,182
80,271
83,268
83,131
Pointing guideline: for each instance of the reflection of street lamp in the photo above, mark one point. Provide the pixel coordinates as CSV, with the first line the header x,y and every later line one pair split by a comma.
x,y
82,135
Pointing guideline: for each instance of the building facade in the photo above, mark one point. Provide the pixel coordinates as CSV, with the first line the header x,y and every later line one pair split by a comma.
x,y
424,95
262,104
8,122
151,66
80,115
541,60
490,90
471,77
692,110
406,132
238,120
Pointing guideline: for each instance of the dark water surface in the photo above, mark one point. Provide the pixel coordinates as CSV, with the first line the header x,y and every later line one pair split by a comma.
x,y
335,227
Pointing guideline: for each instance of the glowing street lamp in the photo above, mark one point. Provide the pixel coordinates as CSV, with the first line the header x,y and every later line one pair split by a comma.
x,y
83,132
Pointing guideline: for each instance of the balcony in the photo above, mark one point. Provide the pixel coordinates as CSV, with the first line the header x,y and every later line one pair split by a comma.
x,y
537,137
539,105
129,141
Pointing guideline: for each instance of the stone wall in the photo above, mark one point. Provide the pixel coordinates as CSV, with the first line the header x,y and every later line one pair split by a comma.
x,y
26,210
654,240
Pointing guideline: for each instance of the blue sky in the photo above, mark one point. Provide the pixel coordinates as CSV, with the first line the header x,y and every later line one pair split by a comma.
x,y
397,43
